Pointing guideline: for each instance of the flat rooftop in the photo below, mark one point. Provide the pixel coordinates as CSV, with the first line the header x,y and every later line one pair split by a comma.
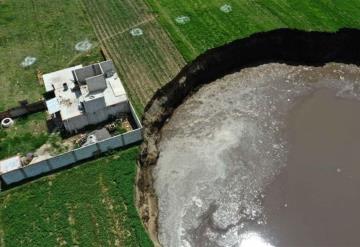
x,y
69,98
57,78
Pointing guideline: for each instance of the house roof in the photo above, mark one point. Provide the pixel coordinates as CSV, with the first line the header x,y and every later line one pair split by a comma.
x,y
69,95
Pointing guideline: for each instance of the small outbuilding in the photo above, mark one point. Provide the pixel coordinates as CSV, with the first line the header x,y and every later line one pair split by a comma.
x,y
10,164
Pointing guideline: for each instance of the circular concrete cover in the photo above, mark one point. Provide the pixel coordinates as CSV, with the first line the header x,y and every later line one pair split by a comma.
x,y
83,46
182,19
136,32
28,61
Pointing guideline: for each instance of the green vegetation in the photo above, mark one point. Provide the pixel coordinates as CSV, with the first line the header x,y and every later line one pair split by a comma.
x,y
57,145
91,205
209,27
47,30
144,62
120,130
26,135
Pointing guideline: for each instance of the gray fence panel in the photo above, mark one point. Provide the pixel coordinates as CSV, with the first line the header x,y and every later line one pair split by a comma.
x,y
133,113
132,137
36,169
62,160
72,157
85,152
13,176
111,143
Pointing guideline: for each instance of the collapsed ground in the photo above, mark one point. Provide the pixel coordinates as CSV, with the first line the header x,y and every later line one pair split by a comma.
x,y
144,62
233,139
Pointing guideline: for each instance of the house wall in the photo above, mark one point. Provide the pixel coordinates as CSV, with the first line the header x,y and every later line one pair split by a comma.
x,y
96,83
75,123
86,72
94,105
89,118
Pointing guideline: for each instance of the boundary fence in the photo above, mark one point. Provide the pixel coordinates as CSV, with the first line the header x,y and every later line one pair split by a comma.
x,y
24,109
67,159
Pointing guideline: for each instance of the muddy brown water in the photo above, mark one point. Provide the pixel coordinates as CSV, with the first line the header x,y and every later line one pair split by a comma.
x,y
269,156
315,199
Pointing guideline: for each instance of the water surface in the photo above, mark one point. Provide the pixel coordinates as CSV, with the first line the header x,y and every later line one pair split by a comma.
x,y
263,157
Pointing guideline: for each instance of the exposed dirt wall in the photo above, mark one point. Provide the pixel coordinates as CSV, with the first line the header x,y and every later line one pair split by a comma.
x,y
283,45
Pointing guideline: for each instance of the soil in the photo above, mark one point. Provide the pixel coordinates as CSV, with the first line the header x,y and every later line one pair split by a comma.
x,y
146,202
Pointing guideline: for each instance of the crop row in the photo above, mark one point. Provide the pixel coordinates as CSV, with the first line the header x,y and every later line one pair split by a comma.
x,y
144,62
209,26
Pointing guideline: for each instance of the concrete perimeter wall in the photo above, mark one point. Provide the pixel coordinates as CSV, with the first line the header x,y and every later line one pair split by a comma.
x,y
74,156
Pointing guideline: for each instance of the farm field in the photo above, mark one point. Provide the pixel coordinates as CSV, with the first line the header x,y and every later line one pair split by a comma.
x,y
47,31
207,24
90,205
79,206
144,62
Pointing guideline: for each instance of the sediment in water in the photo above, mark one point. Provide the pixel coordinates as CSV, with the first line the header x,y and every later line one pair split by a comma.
x,y
227,142
289,46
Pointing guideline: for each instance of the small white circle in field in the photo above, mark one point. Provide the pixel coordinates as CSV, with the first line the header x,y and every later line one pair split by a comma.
x,y
83,46
226,8
136,32
182,19
28,61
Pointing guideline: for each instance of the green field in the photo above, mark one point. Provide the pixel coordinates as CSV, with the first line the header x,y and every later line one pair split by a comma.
x,y
47,30
209,27
91,205
144,62
25,136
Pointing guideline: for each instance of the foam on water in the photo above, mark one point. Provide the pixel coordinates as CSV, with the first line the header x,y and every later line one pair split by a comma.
x,y
224,145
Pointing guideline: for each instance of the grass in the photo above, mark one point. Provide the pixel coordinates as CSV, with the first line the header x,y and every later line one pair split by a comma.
x,y
91,205
145,62
47,30
209,27
26,135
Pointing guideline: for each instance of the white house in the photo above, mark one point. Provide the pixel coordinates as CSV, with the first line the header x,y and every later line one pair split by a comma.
x,y
84,96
